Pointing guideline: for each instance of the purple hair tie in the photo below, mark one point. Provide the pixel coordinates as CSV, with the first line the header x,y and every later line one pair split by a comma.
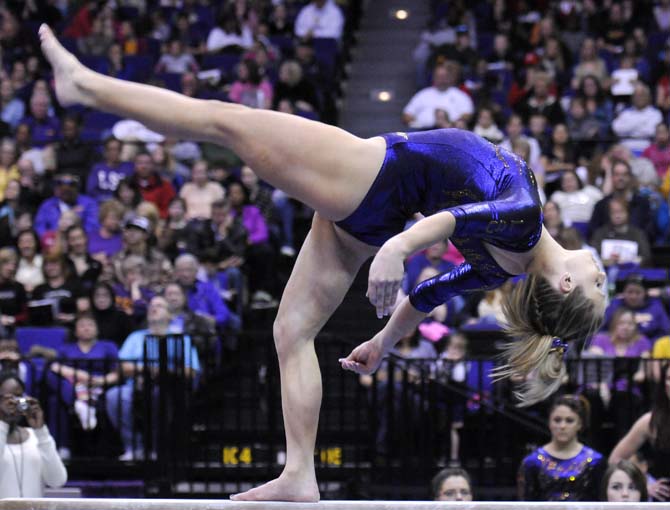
x,y
558,345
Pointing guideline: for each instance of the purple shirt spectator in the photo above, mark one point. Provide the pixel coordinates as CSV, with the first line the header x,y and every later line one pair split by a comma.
x,y
254,223
99,244
48,214
203,297
651,318
100,360
44,131
104,179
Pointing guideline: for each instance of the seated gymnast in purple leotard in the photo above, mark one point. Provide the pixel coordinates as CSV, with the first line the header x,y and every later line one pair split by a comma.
x,y
363,190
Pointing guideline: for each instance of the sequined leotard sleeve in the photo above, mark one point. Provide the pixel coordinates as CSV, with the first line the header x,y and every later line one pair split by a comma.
x,y
499,223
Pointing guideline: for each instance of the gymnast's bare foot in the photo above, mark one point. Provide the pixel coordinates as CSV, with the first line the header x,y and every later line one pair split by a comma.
x,y
69,73
285,488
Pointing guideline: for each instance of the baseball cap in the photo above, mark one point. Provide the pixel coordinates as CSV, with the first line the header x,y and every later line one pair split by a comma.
x,y
138,222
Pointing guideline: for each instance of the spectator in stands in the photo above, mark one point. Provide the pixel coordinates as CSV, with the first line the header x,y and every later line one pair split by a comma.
x,y
201,192
292,85
8,167
202,296
132,291
652,427
650,316
486,126
53,241
66,198
564,469
61,292
659,151
624,79
444,95
104,177
620,174
12,108
168,167
29,272
619,241
559,157
576,200
33,461
44,127
251,88
623,340
177,59
623,482
119,399
151,185
451,484
229,34
490,308
280,22
135,242
515,131
259,254
541,100
98,41
129,196
174,236
201,327
72,154
13,214
113,324
596,101
635,126
276,207
78,378
83,266
552,218
662,15
116,65
13,300
320,19
104,243
584,128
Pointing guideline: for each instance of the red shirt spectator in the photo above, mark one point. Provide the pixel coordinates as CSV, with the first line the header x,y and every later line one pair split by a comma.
x,y
152,187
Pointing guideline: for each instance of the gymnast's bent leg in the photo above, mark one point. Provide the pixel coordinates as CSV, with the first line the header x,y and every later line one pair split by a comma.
x,y
323,166
312,294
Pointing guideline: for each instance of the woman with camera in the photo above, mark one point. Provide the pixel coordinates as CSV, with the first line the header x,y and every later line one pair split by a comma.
x,y
28,457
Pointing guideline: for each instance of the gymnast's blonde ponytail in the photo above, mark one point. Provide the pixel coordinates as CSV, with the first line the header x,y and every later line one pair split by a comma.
x,y
541,321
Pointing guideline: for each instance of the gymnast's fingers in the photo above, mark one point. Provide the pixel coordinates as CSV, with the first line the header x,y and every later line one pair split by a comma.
x,y
390,295
372,292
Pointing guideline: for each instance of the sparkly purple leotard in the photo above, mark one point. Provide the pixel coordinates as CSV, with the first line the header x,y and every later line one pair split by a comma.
x,y
490,192
548,478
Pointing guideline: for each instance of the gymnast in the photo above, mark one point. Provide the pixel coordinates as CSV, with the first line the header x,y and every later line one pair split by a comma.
x,y
363,190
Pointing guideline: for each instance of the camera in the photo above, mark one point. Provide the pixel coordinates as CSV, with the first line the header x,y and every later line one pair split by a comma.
x,y
22,404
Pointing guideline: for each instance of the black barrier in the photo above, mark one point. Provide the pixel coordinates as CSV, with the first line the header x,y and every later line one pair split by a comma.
x,y
219,431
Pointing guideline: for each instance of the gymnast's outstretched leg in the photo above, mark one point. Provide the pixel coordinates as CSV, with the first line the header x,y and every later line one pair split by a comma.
x,y
320,165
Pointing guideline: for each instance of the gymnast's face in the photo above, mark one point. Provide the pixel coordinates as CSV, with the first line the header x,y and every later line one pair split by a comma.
x,y
584,271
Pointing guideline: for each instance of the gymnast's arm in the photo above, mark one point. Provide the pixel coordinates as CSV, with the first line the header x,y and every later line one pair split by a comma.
x,y
387,269
367,357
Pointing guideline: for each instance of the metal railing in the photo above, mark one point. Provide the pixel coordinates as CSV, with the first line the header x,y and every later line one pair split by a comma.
x,y
221,430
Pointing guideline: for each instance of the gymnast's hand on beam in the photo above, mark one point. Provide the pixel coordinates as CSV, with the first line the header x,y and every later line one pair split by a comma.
x,y
364,359
386,273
